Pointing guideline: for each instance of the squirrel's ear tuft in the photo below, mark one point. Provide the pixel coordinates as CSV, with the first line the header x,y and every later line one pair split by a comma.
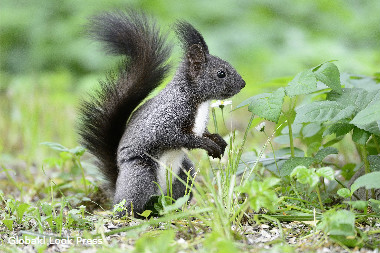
x,y
189,36
196,57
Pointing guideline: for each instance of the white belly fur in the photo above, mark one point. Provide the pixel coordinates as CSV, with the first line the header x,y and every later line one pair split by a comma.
x,y
173,159
201,118
170,160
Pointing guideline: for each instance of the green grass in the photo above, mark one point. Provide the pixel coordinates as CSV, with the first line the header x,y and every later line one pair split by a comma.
x,y
242,190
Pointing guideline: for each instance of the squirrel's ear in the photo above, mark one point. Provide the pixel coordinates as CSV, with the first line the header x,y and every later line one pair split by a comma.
x,y
196,57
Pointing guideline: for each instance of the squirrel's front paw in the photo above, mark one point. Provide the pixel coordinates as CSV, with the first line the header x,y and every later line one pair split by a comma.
x,y
219,141
215,151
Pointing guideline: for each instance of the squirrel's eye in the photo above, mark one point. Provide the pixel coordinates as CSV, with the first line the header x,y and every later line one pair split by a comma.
x,y
221,74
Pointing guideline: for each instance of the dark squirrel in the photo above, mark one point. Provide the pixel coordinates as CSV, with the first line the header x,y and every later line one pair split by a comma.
x,y
136,144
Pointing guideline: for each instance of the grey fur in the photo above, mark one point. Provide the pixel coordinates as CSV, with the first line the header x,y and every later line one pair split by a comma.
x,y
162,127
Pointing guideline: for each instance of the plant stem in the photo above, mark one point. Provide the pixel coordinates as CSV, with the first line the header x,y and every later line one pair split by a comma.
x,y
292,198
274,155
291,138
353,194
364,157
319,198
240,212
240,152
376,143
366,167
214,119
10,178
373,232
296,192
83,175
288,116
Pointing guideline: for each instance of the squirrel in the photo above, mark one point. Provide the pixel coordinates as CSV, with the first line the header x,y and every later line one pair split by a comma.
x,y
135,144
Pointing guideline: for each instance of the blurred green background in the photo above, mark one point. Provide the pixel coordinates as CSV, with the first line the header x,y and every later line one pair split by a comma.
x,y
47,64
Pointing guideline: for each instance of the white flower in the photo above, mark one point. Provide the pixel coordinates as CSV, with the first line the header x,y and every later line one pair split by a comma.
x,y
260,127
221,103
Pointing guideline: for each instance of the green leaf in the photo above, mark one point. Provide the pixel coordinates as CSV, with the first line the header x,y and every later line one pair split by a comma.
x,y
78,151
373,127
177,204
314,146
323,111
369,114
271,182
303,83
217,242
21,209
374,162
340,226
146,213
333,141
305,176
358,204
348,170
358,81
293,162
261,194
369,181
326,172
360,136
359,98
56,146
344,192
246,102
46,208
156,241
268,105
375,205
322,153
328,73
8,223
311,129
341,222
339,129
367,117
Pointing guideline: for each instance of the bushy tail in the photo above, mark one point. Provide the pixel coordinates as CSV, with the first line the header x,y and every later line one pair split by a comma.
x,y
104,115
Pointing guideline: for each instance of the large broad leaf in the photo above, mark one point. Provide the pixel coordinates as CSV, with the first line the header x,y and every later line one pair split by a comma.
x,y
268,105
369,118
293,162
373,128
323,111
339,129
322,153
328,74
303,83
360,136
358,81
375,205
341,222
369,181
357,97
310,129
248,101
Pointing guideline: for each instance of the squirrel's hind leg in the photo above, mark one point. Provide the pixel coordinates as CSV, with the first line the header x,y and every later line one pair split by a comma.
x,y
135,184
